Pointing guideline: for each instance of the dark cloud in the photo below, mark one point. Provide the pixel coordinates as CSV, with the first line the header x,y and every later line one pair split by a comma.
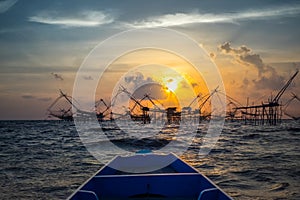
x,y
256,61
57,76
136,79
195,85
87,78
32,97
212,55
246,81
267,75
154,90
26,96
140,85
227,49
129,79
274,82
184,84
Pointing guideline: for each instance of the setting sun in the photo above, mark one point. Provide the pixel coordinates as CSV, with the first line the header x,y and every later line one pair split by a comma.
x,y
172,84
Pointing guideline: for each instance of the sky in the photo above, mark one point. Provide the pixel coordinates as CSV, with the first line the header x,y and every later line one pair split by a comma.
x,y
255,45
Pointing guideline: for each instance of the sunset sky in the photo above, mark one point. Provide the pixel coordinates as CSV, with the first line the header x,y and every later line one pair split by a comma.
x,y
255,44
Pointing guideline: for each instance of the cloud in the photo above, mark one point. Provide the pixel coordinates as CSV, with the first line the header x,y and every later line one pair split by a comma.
x,y
27,96
274,82
179,19
244,56
139,85
136,78
184,84
267,75
245,82
194,85
212,55
6,5
84,19
87,78
226,48
153,89
57,76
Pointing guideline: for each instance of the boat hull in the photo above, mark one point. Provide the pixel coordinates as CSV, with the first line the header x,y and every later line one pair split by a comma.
x,y
174,181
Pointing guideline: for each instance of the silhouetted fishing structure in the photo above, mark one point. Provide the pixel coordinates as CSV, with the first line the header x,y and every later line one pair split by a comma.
x,y
288,103
266,113
66,111
201,112
144,109
102,113
57,111
139,111
144,117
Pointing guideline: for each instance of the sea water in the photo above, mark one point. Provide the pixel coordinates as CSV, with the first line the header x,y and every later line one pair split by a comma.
x,y
47,159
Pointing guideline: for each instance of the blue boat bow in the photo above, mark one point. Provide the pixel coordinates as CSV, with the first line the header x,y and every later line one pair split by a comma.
x,y
133,177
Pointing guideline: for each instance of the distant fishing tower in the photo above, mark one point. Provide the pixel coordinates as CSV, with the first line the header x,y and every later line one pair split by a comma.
x,y
269,113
